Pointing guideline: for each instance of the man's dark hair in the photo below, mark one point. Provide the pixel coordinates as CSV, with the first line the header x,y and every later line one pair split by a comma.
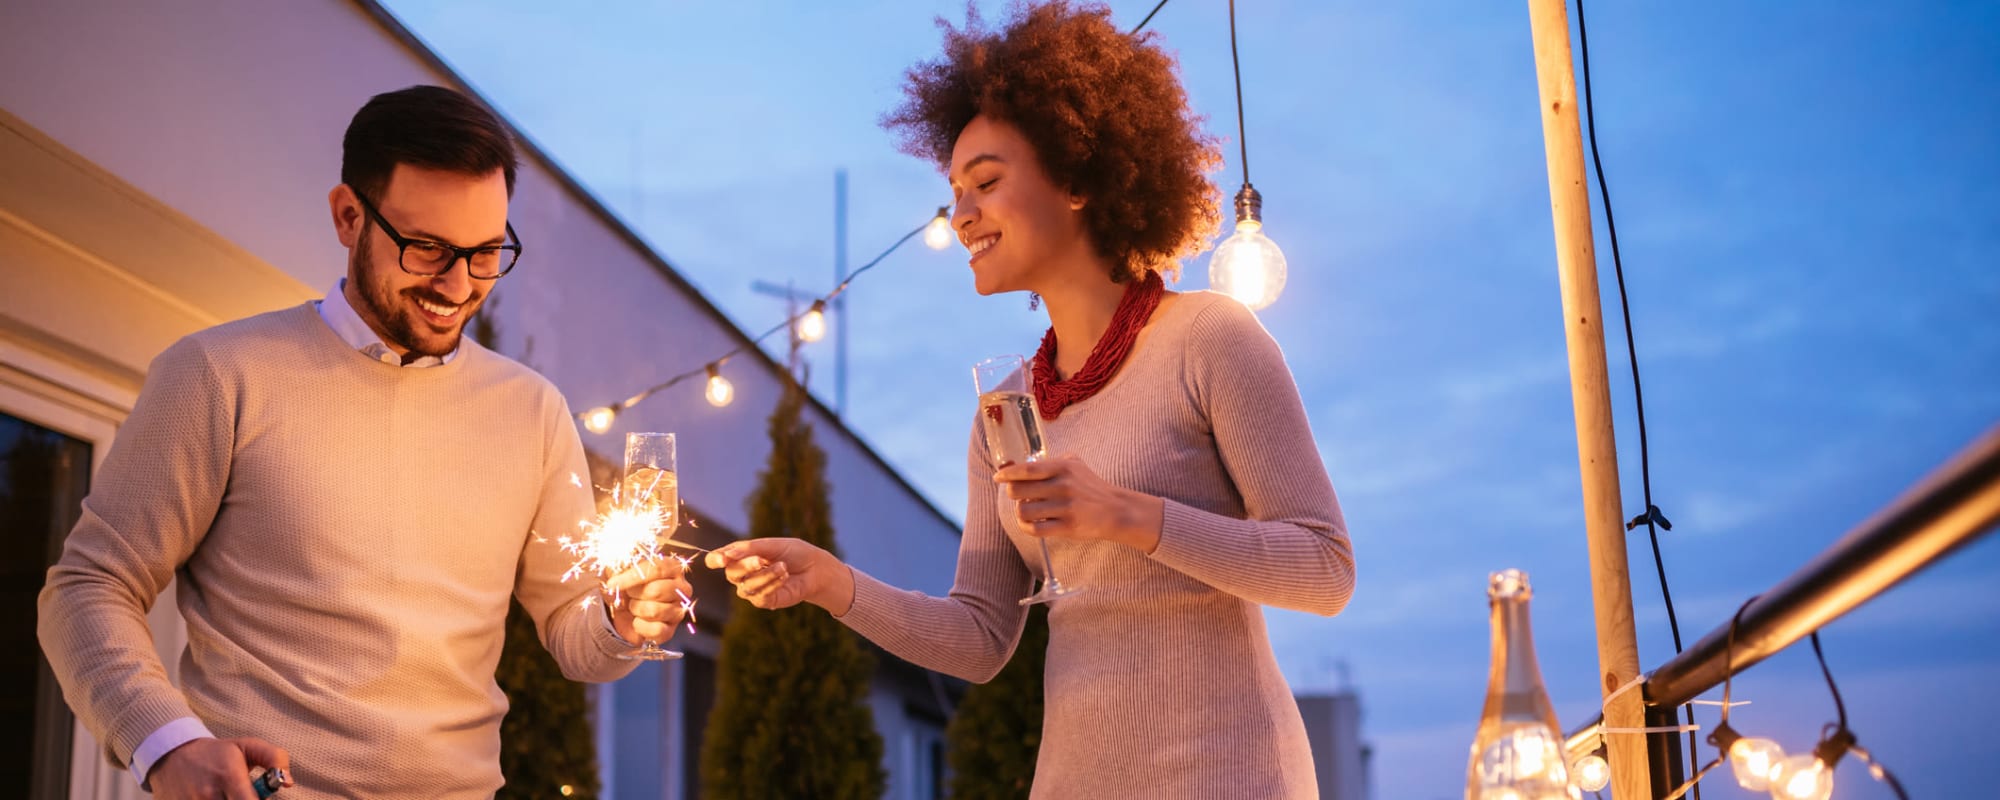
x,y
424,126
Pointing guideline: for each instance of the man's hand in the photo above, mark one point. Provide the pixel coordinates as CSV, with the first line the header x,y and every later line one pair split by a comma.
x,y
205,769
652,602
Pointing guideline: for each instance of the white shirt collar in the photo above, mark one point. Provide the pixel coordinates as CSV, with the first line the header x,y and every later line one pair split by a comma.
x,y
349,326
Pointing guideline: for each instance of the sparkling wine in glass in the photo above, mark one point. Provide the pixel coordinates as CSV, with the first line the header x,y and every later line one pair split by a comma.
x,y
652,483
1012,427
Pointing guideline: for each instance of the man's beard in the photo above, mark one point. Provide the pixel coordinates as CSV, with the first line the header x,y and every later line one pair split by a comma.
x,y
398,322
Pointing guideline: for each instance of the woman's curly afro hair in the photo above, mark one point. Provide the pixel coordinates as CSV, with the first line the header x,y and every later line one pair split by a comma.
x,y
1103,110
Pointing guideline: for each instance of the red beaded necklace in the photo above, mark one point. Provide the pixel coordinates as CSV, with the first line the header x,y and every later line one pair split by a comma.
x,y
1134,309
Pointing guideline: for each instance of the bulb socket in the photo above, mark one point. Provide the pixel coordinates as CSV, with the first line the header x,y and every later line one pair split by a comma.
x,y
1833,747
1723,737
1249,204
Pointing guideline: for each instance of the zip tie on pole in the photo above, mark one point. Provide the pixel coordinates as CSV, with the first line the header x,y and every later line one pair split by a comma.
x,y
1623,689
1639,681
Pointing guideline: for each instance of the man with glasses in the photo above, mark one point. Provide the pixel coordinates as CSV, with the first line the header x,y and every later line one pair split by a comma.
x,y
349,492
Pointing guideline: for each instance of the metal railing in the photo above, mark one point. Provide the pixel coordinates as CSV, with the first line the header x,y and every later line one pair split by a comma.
x,y
1954,505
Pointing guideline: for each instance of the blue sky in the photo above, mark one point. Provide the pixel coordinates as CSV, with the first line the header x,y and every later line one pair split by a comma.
x,y
1809,199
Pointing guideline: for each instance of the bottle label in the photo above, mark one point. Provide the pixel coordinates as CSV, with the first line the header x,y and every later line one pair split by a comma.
x,y
1522,764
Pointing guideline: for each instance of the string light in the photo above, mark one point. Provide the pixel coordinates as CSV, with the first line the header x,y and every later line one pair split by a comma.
x,y
812,326
1751,760
720,391
1760,765
599,419
1248,265
1801,777
1592,772
937,233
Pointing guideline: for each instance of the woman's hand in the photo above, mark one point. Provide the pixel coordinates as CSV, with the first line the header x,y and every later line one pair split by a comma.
x,y
1062,497
780,573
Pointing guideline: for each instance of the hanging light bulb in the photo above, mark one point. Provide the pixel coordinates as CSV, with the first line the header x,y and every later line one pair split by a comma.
x,y
1751,759
937,235
812,326
720,390
1248,265
1592,772
1801,777
598,420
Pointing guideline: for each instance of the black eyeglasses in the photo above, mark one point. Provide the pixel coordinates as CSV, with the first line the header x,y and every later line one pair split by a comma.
x,y
428,259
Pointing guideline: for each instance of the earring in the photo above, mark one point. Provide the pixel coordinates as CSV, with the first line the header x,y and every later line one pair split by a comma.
x,y
1034,302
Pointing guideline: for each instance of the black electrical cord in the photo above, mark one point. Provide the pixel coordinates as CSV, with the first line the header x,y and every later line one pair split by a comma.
x,y
1653,519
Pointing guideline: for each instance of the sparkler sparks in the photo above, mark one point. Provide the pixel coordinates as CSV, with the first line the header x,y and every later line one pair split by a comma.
x,y
687,606
623,537
634,531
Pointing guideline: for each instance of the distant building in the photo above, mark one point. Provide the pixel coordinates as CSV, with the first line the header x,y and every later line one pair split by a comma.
x,y
1340,757
164,167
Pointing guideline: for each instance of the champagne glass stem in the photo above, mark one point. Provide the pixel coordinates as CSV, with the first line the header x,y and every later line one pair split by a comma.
x,y
1048,565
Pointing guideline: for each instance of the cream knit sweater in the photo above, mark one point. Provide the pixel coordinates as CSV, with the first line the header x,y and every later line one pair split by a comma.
x,y
346,534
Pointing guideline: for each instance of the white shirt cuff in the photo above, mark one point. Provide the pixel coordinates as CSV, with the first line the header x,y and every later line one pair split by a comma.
x,y
163,741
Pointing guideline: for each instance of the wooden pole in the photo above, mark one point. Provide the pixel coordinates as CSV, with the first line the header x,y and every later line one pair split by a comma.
x,y
1590,393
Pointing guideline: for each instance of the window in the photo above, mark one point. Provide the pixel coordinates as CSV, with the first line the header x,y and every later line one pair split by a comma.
x,y
43,478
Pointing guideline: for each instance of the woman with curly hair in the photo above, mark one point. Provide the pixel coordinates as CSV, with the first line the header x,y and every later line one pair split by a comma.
x,y
1186,491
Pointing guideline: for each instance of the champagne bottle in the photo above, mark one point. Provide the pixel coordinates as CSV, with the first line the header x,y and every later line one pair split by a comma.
x,y
1518,751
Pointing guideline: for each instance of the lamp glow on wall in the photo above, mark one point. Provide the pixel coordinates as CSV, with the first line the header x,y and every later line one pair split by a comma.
x,y
1248,265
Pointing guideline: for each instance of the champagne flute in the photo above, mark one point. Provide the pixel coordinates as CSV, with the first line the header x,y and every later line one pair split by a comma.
x,y
1013,429
653,483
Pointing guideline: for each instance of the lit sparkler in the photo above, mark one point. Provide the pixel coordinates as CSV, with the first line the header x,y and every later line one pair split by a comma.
x,y
634,531
623,536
